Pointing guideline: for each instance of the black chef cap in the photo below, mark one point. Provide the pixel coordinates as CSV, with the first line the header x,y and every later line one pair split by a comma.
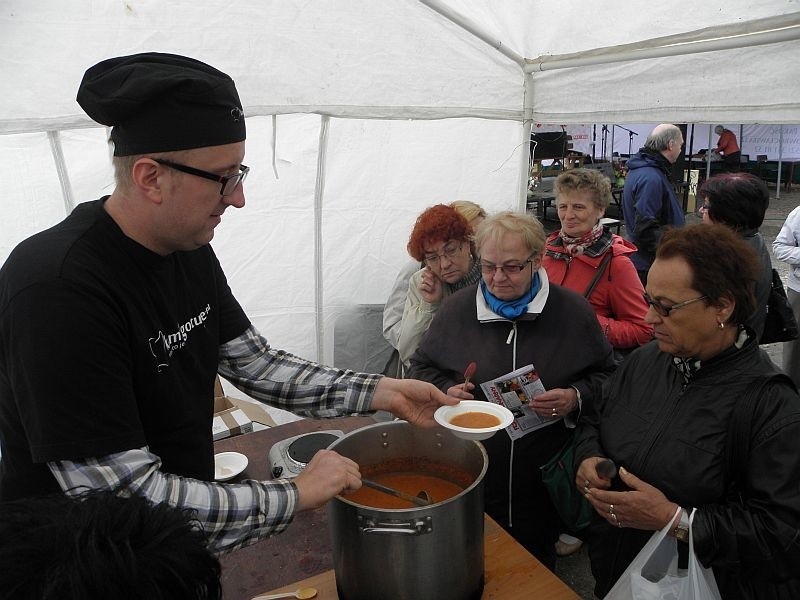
x,y
162,102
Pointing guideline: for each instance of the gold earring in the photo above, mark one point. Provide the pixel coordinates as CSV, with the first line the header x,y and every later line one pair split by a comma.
x,y
721,325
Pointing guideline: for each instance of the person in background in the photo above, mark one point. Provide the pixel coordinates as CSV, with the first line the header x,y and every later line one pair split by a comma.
x,y
583,250
115,322
740,201
442,240
649,203
786,247
99,544
511,319
395,303
665,416
728,148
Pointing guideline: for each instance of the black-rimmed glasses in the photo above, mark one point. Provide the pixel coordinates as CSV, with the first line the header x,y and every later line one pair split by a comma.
x,y
508,269
450,251
665,310
228,183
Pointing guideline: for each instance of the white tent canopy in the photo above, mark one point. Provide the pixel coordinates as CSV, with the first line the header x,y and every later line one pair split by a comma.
x,y
363,113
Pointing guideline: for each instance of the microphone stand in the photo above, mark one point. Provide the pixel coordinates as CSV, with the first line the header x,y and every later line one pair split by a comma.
x,y
603,144
630,137
611,157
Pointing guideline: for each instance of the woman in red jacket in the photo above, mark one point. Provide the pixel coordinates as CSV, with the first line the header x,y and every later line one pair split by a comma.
x,y
587,258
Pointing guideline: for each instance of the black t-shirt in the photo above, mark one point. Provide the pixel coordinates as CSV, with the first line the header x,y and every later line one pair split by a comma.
x,y
106,346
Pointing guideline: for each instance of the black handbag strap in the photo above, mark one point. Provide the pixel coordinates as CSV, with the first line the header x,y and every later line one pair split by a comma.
x,y
740,429
600,270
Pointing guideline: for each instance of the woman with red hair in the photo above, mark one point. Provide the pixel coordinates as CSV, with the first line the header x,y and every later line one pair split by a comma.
x,y
442,241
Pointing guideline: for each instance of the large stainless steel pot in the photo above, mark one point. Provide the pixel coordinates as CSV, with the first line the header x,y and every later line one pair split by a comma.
x,y
417,553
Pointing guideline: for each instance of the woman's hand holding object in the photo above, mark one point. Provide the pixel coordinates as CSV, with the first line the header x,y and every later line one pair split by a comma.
x,y
554,403
462,390
641,507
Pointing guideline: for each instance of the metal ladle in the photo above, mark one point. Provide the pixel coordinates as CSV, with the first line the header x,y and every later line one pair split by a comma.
x,y
421,499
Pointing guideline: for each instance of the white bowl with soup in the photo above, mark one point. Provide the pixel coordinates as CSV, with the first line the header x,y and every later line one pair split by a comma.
x,y
474,419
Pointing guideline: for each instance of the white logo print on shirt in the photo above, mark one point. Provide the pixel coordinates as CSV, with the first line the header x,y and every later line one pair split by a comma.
x,y
163,345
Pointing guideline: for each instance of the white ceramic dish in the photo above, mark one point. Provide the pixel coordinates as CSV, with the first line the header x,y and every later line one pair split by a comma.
x,y
228,465
444,414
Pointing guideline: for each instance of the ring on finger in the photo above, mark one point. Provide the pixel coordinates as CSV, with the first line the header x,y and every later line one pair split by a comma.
x,y
555,413
611,510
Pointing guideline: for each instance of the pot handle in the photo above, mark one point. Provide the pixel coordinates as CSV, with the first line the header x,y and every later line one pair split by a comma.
x,y
411,527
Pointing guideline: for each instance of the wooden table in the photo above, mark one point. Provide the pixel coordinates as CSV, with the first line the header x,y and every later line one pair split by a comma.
x,y
302,555
538,203
511,573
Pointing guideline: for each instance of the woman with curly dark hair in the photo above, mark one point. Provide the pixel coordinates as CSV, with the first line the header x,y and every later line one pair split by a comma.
x,y
442,241
669,419
740,201
104,544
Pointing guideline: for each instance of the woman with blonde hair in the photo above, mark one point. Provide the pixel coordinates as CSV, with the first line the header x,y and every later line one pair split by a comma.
x,y
511,319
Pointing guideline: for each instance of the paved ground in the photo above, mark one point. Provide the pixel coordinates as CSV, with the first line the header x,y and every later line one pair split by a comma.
x,y
574,570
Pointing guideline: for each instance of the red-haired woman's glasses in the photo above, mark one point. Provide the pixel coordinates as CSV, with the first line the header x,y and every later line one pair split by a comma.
x,y
450,251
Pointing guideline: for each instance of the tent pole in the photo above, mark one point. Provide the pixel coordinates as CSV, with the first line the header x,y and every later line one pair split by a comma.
x,y
784,29
473,28
275,146
780,160
319,192
525,155
688,175
61,168
527,119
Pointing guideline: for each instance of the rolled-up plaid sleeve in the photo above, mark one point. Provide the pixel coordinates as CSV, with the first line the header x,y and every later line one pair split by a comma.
x,y
286,381
232,515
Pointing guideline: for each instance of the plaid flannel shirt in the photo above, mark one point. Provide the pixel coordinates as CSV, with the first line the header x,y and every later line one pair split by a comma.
x,y
233,515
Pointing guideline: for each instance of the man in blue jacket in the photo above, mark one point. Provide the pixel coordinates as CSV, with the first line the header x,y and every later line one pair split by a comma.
x,y
649,202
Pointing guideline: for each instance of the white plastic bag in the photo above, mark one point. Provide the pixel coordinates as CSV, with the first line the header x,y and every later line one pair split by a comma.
x,y
654,573
701,584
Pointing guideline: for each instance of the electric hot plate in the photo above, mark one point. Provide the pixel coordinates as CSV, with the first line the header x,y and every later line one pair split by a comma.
x,y
288,458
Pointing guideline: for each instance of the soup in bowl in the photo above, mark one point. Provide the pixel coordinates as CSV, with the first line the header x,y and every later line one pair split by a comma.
x,y
474,419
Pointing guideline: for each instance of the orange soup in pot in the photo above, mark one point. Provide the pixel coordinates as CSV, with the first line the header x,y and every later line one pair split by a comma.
x,y
438,489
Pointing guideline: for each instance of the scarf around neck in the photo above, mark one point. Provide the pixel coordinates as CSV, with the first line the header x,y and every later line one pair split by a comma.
x,y
511,309
688,367
577,245
472,277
